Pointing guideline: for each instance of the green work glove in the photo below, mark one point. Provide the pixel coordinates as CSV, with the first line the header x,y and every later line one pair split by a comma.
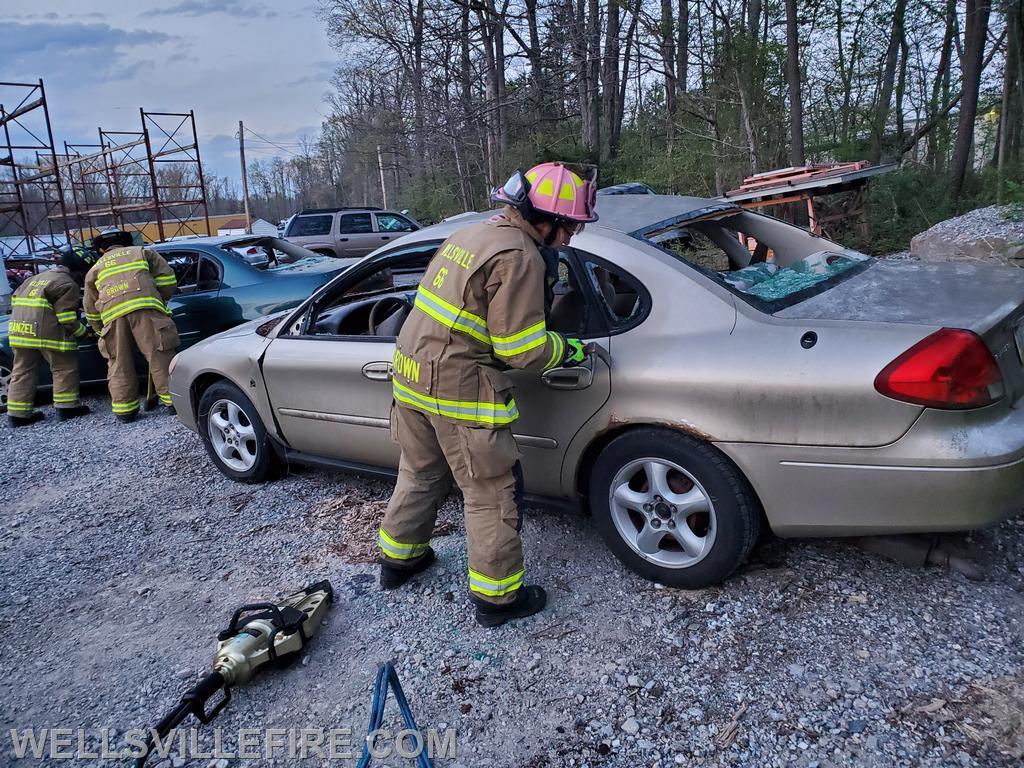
x,y
574,352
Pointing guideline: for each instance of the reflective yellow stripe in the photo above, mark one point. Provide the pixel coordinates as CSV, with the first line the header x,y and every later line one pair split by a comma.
x,y
495,587
131,266
165,280
19,405
93,316
530,338
65,397
464,410
396,549
145,302
451,316
125,407
165,399
63,317
79,331
557,350
27,342
25,301
517,336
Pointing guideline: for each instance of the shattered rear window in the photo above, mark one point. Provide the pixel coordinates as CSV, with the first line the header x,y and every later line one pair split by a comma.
x,y
769,263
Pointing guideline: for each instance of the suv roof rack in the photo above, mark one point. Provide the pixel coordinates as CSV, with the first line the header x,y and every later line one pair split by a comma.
x,y
337,208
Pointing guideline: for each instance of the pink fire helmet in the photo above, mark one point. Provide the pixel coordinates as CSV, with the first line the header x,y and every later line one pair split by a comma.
x,y
552,189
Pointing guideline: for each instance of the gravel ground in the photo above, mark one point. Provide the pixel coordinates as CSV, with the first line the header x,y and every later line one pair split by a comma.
x,y
124,552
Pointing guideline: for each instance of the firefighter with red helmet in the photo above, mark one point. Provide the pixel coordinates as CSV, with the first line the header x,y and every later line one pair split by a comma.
x,y
479,309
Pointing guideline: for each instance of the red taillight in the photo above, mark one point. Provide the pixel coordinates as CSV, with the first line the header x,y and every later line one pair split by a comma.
x,y
952,368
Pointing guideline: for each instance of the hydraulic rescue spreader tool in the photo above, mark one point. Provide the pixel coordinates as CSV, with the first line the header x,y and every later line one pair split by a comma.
x,y
259,635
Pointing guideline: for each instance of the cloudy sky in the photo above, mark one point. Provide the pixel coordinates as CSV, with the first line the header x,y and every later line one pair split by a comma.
x,y
266,63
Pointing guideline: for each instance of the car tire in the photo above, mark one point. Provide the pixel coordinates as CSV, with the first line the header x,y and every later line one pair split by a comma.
x,y
6,368
234,435
695,486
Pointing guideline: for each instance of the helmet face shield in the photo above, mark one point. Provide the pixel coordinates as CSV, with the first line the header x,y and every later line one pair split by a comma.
x,y
514,192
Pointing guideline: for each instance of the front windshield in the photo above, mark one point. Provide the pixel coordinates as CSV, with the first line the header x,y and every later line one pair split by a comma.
x,y
270,253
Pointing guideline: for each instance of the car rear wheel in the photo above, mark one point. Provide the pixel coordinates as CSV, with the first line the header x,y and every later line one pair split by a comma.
x,y
5,382
673,508
234,435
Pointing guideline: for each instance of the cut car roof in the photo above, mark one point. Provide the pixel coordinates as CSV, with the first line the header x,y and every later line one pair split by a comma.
x,y
629,214
635,213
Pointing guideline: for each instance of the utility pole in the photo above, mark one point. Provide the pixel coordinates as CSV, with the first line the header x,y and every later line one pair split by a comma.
x,y
380,167
245,177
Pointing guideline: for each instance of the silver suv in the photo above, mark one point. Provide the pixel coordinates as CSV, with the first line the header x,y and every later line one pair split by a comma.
x,y
346,232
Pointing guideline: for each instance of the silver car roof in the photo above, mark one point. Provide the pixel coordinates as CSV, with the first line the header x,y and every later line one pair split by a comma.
x,y
621,213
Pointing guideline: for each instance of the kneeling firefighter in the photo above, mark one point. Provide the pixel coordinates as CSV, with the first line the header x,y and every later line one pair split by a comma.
x,y
479,309
126,294
44,326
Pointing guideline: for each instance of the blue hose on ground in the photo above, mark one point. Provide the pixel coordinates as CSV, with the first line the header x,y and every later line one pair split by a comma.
x,y
387,677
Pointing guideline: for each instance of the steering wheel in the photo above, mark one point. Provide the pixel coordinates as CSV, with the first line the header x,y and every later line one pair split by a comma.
x,y
378,315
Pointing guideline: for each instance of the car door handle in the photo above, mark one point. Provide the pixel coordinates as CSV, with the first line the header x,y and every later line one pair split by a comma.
x,y
378,371
342,239
568,378
385,237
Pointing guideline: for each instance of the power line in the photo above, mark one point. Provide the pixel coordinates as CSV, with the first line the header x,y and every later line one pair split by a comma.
x,y
274,143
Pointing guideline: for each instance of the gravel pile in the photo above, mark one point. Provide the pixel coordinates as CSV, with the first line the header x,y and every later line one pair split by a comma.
x,y
993,235
993,220
124,552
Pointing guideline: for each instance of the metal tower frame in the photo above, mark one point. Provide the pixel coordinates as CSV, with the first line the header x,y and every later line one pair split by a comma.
x,y
31,193
175,132
135,167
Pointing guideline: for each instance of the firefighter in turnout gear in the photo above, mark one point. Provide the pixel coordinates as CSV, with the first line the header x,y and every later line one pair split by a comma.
x,y
126,294
44,326
480,309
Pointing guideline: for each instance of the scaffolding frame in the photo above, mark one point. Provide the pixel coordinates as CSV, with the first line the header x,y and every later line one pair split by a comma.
x,y
31,194
189,195
137,180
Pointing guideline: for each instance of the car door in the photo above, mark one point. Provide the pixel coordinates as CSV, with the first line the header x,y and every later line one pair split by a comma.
x,y
329,384
391,226
331,392
553,406
356,235
196,307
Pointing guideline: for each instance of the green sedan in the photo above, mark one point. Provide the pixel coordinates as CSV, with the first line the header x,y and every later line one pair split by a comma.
x,y
222,282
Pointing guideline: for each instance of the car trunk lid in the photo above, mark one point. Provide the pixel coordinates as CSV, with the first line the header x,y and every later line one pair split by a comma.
x,y
982,298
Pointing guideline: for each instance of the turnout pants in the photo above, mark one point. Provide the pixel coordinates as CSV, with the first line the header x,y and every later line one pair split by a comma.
x,y
21,395
485,465
154,335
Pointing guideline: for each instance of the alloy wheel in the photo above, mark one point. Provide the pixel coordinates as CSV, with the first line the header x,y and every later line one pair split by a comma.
x,y
662,512
232,435
5,383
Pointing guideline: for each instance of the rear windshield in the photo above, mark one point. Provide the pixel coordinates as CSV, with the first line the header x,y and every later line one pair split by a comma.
x,y
767,262
310,226
270,254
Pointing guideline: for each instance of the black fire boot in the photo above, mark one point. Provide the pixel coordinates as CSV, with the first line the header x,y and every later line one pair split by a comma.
x,y
24,421
63,414
529,600
393,576
127,418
